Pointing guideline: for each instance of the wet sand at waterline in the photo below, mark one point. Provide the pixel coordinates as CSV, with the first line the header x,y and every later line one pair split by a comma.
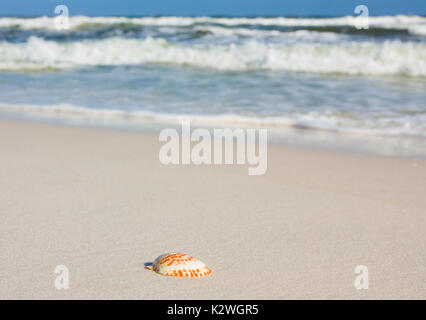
x,y
101,203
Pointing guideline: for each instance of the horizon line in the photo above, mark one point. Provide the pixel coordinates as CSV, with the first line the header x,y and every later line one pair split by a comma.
x,y
207,15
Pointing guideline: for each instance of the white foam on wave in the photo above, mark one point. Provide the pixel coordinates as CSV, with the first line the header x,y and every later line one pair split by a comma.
x,y
327,120
306,35
414,24
353,58
418,29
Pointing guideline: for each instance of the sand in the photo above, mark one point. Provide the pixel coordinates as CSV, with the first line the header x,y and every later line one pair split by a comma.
x,y
101,203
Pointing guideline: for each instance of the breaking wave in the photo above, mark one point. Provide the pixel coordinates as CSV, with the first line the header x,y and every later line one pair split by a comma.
x,y
413,24
352,58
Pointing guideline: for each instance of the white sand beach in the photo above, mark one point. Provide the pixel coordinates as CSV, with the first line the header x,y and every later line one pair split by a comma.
x,y
101,203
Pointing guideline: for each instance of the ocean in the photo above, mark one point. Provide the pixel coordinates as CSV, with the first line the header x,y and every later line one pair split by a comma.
x,y
313,82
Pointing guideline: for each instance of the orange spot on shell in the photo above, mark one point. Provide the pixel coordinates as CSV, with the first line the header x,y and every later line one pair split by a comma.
x,y
180,265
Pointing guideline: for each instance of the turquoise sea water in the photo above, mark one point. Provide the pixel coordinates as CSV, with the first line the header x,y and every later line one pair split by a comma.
x,y
312,82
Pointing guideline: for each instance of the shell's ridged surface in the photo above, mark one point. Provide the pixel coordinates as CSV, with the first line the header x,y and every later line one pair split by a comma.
x,y
180,265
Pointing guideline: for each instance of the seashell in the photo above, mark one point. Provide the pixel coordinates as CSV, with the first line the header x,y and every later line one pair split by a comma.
x,y
179,265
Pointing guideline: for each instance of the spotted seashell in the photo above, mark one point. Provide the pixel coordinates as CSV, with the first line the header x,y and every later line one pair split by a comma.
x,y
179,265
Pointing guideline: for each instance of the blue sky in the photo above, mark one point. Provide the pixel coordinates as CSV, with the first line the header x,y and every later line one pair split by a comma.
x,y
212,7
